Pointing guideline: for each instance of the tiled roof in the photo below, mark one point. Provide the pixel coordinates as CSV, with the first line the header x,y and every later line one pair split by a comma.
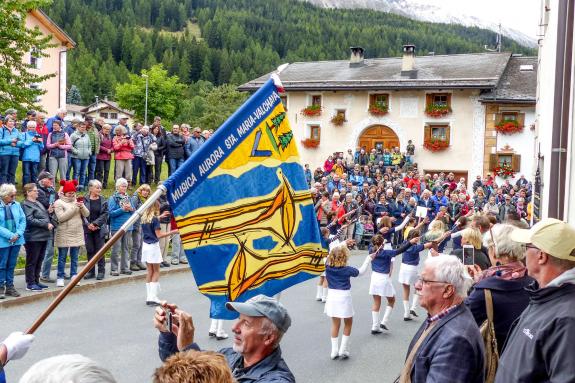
x,y
516,85
480,70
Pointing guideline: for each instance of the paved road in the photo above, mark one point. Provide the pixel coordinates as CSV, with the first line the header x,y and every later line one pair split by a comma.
x,y
113,326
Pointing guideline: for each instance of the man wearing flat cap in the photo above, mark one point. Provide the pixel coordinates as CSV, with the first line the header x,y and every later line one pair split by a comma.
x,y
541,342
255,355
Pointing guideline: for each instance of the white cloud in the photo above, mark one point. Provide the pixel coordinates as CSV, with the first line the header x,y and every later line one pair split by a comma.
x,y
522,15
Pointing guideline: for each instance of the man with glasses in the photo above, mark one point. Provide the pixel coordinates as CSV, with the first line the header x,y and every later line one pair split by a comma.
x,y
541,342
448,346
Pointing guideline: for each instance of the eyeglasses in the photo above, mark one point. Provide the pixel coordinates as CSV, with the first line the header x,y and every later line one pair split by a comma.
x,y
530,246
421,280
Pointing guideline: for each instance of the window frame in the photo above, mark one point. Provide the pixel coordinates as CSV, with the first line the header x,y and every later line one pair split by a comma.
x,y
430,98
428,132
312,128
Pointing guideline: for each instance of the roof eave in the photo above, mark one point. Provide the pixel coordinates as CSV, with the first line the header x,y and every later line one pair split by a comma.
x,y
529,101
54,28
254,87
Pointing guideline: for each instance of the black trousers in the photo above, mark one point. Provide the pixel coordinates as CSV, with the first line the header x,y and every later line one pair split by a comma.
x,y
158,168
95,242
103,171
35,251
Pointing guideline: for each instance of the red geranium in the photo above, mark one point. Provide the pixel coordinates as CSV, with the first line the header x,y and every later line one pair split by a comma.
x,y
309,143
378,108
437,110
435,144
311,110
504,171
509,127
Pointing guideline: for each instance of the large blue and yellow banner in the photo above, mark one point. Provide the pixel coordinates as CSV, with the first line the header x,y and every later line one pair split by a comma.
x,y
244,210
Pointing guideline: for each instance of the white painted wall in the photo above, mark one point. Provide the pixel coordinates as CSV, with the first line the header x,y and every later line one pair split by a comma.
x,y
406,118
545,103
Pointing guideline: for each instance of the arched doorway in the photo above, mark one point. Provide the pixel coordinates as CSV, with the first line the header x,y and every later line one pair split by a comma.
x,y
378,136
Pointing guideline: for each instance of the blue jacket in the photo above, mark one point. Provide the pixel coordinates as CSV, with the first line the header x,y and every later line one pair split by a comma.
x,y
32,149
382,261
451,352
117,215
51,121
438,202
271,369
411,255
193,145
19,224
509,300
6,137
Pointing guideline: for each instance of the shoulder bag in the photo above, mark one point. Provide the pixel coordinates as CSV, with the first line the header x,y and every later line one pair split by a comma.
x,y
487,330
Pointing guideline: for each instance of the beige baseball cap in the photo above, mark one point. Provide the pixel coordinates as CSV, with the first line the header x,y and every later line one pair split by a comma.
x,y
554,237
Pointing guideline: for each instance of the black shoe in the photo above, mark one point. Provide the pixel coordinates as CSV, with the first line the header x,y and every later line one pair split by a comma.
x,y
90,275
412,312
100,276
212,334
152,303
165,264
383,326
11,292
126,272
407,319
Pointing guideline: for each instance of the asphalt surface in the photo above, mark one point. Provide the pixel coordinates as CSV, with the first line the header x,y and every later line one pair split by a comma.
x,y
113,326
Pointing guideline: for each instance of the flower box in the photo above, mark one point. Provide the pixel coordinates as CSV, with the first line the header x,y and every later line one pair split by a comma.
x,y
378,109
311,110
338,120
309,143
434,110
509,127
435,145
504,171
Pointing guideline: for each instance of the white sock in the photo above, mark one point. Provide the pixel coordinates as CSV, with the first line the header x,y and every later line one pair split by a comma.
x,y
334,347
147,292
405,308
374,318
324,296
319,291
386,315
220,325
344,347
213,325
154,290
415,303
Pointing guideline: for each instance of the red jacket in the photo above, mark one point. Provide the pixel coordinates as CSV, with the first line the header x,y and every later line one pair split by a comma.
x,y
123,149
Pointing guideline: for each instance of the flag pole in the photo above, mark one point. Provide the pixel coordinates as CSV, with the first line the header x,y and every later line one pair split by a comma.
x,y
60,297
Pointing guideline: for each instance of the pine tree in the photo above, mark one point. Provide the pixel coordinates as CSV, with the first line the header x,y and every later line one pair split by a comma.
x,y
73,96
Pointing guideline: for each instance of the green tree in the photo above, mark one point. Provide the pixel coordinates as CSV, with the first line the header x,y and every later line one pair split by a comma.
x,y
164,93
17,44
220,103
73,96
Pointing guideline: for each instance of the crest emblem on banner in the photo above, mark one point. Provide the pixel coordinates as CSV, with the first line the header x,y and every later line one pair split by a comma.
x,y
244,210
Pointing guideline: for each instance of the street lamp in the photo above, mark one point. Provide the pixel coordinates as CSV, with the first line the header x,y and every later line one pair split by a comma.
x,y
146,103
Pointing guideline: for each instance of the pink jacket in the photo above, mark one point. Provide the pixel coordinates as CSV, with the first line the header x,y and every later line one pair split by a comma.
x,y
123,147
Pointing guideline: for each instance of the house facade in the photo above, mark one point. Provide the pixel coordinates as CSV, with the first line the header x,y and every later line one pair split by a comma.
x,y
434,101
555,117
54,62
110,111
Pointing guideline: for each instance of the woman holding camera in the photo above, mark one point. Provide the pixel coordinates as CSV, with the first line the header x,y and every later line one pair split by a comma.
x,y
81,152
33,146
70,212
472,236
123,147
58,143
95,226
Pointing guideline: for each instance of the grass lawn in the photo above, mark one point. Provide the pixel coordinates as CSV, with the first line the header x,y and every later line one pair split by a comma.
x,y
105,192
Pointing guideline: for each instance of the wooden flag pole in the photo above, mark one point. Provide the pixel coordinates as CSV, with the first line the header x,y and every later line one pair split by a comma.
x,y
60,297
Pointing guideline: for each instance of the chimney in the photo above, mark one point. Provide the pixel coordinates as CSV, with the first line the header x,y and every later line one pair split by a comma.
x,y
356,58
408,61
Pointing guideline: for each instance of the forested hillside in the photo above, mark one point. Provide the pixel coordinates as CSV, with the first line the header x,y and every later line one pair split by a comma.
x,y
231,41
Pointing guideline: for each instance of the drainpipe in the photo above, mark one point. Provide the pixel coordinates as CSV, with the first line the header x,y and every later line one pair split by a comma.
x,y
561,107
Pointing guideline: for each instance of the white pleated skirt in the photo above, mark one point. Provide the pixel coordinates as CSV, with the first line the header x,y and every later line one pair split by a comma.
x,y
407,274
381,285
151,253
338,304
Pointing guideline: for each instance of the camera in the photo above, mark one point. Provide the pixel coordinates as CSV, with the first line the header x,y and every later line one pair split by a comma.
x,y
38,136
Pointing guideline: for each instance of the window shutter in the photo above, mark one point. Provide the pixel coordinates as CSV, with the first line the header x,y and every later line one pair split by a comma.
x,y
493,162
371,99
516,162
521,119
427,133
449,100
448,134
428,99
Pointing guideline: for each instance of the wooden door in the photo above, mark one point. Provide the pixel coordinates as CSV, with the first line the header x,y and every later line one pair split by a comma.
x,y
378,135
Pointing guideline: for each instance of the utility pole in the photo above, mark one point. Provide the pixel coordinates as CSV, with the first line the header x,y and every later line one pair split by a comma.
x,y
146,102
